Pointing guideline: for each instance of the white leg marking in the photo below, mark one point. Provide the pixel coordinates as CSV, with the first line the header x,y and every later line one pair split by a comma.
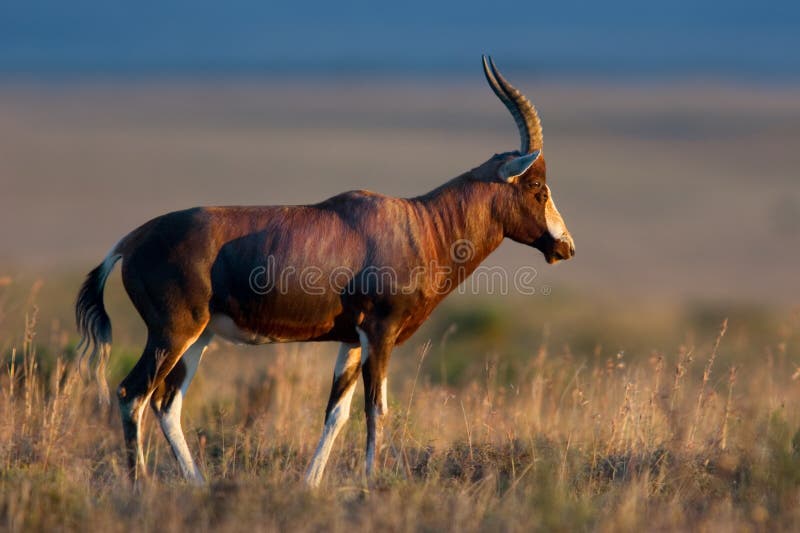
x,y
349,356
141,465
384,400
171,426
170,419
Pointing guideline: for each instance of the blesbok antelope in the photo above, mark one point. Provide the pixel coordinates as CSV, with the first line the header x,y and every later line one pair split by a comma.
x,y
212,271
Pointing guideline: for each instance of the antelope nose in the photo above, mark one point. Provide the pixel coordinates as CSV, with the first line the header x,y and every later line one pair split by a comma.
x,y
563,250
569,249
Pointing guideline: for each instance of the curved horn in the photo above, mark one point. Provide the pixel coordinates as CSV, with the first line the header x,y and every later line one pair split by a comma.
x,y
524,113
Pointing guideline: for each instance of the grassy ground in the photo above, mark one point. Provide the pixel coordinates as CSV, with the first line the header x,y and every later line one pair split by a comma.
x,y
605,418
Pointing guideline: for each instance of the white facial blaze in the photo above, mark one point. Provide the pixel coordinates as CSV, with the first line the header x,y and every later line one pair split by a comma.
x,y
555,224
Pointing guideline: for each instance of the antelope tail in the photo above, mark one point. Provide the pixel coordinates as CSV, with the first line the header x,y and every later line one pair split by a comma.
x,y
93,323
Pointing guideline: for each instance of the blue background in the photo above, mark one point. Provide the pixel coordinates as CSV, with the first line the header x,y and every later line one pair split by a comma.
x,y
747,40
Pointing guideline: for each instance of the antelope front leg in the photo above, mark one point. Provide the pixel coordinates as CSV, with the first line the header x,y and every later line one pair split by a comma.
x,y
376,409
375,362
345,376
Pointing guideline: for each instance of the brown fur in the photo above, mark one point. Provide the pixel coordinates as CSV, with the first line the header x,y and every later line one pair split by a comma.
x,y
183,268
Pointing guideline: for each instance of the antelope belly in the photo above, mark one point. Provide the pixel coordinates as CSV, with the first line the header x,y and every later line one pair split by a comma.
x,y
225,327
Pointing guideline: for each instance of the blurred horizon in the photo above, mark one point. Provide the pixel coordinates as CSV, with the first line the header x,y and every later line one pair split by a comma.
x,y
713,39
671,192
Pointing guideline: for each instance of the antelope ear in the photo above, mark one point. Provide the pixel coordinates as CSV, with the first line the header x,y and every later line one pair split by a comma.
x,y
516,167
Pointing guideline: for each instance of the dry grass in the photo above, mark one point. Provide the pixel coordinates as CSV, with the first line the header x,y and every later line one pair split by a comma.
x,y
555,440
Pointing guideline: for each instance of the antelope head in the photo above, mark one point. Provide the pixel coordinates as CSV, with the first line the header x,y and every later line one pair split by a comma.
x,y
526,207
